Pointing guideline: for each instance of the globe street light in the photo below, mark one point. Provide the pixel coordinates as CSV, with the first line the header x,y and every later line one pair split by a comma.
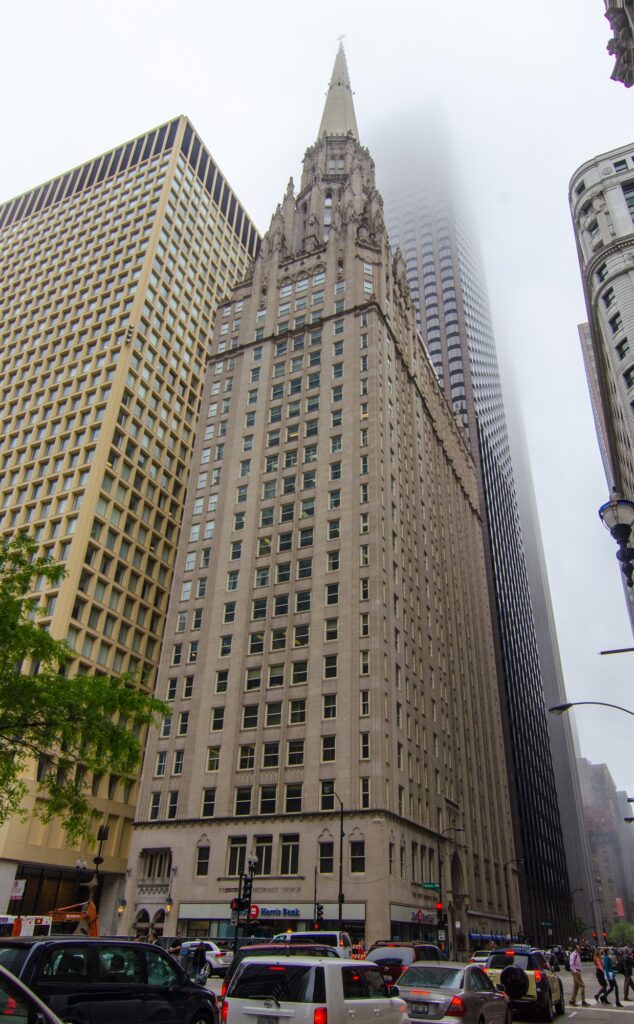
x,y
560,709
617,515
508,898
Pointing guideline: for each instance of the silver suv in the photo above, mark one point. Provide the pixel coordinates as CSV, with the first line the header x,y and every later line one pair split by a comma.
x,y
312,991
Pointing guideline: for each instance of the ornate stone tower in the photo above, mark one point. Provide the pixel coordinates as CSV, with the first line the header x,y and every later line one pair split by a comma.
x,y
328,653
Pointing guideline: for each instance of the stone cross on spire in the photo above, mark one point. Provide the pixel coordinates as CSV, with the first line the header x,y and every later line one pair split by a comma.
x,y
338,117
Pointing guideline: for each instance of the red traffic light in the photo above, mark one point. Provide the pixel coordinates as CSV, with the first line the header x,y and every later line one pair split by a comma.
x,y
439,905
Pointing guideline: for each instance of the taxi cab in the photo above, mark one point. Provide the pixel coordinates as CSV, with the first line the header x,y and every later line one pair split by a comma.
x,y
533,987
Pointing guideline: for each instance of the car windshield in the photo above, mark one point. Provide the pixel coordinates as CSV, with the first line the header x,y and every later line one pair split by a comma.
x,y
12,957
432,977
280,982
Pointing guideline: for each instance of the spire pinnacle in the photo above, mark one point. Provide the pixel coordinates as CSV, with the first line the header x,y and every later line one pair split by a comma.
x,y
338,117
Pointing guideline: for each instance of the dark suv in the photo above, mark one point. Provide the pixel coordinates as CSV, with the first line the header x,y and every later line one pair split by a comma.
x,y
99,981
394,957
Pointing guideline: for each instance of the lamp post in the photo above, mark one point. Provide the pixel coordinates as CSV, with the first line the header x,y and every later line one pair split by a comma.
x,y
617,515
508,895
560,709
340,897
440,909
600,929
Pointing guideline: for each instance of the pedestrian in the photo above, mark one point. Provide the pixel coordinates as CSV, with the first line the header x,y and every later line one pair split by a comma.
x,y
597,960
610,977
176,945
628,963
577,979
200,967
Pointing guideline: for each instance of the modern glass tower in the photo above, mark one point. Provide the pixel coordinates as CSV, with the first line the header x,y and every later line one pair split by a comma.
x,y
426,222
111,275
328,654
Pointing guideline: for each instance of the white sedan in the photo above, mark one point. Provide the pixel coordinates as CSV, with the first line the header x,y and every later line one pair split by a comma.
x,y
218,959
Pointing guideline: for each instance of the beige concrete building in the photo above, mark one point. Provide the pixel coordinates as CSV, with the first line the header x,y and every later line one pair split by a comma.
x,y
328,650
111,275
601,197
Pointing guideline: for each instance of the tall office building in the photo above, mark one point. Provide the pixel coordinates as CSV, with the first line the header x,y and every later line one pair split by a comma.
x,y
602,205
111,275
425,220
610,843
328,655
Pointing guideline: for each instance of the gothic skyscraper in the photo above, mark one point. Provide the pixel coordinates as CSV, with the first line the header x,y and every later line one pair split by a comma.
x,y
426,222
328,655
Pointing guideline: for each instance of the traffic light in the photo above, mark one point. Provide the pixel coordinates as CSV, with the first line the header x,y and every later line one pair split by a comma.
x,y
247,888
439,915
235,904
594,936
605,935
320,911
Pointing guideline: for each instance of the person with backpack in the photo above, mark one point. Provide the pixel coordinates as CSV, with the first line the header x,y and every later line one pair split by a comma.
x,y
578,985
610,977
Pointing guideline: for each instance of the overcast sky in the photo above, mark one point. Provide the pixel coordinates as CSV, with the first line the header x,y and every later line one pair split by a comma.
x,y
525,88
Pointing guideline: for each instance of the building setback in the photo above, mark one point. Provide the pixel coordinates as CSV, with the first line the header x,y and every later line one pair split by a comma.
x,y
601,197
111,275
328,651
428,223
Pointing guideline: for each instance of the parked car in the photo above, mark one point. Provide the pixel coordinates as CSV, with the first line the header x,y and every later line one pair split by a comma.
x,y
217,958
89,980
480,956
284,949
311,991
19,1004
340,940
443,991
394,957
529,981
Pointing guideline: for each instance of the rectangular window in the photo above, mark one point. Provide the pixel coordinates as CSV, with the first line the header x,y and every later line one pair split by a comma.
x,y
328,748
202,861
357,857
208,803
246,757
289,855
213,759
217,719
268,799
293,798
250,716
300,672
274,713
271,755
327,795
364,748
243,801
326,858
237,855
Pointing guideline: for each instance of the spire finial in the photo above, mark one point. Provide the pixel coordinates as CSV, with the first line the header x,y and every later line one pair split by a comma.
x,y
338,117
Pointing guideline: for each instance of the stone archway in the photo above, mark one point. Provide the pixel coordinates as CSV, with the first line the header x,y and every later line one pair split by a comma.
x,y
142,922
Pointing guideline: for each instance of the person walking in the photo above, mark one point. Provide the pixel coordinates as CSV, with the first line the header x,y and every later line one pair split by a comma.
x,y
628,963
597,960
610,977
577,979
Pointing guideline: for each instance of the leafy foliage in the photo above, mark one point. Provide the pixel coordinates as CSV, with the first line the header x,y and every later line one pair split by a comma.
x,y
621,934
72,725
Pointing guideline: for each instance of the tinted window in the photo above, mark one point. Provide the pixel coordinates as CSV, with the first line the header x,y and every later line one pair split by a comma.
x,y
432,977
14,1007
65,963
480,982
354,986
390,955
159,970
285,983
117,964
503,960
13,957
376,985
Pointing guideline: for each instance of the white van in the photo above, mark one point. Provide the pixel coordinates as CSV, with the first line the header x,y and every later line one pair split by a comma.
x,y
340,940
271,990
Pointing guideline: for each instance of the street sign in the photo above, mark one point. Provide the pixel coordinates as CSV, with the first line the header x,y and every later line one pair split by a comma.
x,y
431,885
441,935
254,912
547,924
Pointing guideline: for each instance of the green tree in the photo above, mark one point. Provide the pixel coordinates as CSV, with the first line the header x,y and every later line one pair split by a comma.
x,y
621,934
71,724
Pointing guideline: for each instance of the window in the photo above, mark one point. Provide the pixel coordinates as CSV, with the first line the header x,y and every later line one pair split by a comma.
x,y
304,568
301,635
278,639
293,799
161,759
217,719
327,795
357,856
258,608
264,854
246,757
271,755
328,748
237,855
297,715
326,858
262,577
213,759
302,600
332,561
236,550
250,716
333,529
202,861
332,593
229,612
280,604
300,672
289,855
274,713
253,679
334,499
330,666
622,348
243,801
172,804
208,803
183,723
232,579
268,799
329,706
616,323
364,793
225,646
365,746
282,572
276,675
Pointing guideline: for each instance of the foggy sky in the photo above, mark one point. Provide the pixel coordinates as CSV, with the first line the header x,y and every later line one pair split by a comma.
x,y
525,89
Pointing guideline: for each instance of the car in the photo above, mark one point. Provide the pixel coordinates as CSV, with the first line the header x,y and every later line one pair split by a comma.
x,y
340,940
480,956
442,991
84,980
20,1005
311,990
217,958
394,957
284,949
531,984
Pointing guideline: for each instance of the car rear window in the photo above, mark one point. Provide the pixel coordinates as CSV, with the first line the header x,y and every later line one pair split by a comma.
x,y
292,983
318,940
391,955
503,960
12,957
433,977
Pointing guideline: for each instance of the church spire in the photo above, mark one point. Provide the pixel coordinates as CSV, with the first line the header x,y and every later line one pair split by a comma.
x,y
338,117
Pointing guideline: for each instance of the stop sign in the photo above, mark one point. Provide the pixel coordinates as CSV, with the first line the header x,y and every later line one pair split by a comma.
x,y
254,911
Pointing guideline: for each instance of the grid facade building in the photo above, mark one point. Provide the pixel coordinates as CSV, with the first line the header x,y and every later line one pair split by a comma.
x,y
427,223
111,276
601,199
327,655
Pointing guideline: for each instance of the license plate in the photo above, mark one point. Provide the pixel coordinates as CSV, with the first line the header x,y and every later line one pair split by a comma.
x,y
418,1010
267,1020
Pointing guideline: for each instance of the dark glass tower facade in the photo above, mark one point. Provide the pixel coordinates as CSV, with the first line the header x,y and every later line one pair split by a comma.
x,y
425,221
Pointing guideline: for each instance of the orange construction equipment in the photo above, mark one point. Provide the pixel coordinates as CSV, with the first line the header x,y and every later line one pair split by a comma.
x,y
78,912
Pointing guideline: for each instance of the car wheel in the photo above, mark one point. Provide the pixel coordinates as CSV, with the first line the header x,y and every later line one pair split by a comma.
x,y
201,1018
549,1013
515,981
560,1005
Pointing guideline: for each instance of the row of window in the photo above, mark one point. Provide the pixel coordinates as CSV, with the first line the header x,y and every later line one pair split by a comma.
x,y
286,862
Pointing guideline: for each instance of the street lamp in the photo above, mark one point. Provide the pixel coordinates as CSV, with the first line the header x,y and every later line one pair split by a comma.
x,y
340,896
560,709
508,897
617,515
444,832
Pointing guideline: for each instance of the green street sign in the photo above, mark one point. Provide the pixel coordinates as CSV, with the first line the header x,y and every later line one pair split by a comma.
x,y
431,885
